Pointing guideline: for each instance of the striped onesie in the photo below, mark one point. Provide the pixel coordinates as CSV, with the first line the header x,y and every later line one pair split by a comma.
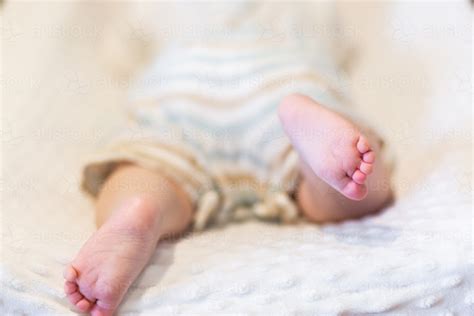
x,y
205,115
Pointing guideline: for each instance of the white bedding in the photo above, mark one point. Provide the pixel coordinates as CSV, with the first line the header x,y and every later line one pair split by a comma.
x,y
412,76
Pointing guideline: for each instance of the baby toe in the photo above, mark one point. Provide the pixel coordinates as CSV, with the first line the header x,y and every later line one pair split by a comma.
x,y
70,287
363,145
75,297
83,305
366,168
359,177
99,311
70,274
355,191
369,157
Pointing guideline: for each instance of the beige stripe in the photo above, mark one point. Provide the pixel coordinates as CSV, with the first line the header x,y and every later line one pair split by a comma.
x,y
178,150
265,41
234,102
281,157
187,173
240,181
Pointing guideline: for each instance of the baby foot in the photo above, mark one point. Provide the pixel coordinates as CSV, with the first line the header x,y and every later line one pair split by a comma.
x,y
331,145
108,263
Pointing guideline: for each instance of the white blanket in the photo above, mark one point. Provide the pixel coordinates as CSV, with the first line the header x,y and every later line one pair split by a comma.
x,y
415,257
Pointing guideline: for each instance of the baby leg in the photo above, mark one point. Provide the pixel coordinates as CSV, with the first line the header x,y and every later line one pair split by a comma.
x,y
135,209
341,176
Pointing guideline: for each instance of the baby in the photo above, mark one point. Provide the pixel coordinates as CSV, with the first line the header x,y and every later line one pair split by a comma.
x,y
229,126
